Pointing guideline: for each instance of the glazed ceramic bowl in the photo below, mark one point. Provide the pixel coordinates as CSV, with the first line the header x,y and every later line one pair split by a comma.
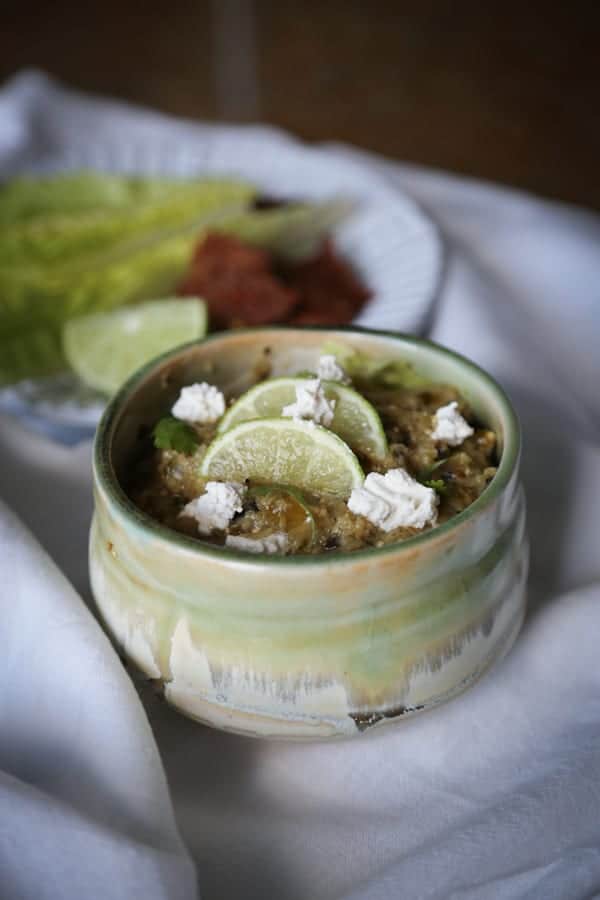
x,y
308,646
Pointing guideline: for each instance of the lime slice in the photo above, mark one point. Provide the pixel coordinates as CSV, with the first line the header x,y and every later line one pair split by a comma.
x,y
355,420
284,451
106,348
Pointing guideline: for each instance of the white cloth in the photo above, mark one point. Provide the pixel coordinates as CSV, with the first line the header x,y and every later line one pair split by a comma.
x,y
494,796
85,810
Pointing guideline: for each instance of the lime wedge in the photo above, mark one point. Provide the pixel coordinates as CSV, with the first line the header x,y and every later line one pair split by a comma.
x,y
355,420
106,348
284,451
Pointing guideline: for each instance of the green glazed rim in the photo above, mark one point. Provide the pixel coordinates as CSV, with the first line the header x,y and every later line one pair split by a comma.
x,y
138,519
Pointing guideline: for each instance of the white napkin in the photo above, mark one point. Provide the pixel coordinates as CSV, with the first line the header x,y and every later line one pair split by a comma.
x,y
495,795
84,804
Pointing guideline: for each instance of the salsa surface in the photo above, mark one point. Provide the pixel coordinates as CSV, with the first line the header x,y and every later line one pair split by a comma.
x,y
164,481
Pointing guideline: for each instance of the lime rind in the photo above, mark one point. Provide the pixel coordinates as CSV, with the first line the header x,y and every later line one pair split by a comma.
x,y
355,420
256,404
284,451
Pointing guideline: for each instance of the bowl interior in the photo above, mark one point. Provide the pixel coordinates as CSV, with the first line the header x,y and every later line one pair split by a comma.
x,y
234,360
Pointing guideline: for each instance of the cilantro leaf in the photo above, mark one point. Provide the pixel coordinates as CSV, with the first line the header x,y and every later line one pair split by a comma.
x,y
171,434
436,484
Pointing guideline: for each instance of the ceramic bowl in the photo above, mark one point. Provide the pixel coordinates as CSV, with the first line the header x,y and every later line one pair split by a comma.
x,y
309,646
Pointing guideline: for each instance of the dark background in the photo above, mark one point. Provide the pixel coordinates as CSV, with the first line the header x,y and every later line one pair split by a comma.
x,y
503,91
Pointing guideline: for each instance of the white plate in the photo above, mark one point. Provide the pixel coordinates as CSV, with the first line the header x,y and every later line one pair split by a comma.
x,y
391,243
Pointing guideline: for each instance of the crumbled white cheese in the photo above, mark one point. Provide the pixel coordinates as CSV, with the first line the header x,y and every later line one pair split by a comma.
x,y
450,426
394,500
217,506
199,403
329,369
311,403
273,543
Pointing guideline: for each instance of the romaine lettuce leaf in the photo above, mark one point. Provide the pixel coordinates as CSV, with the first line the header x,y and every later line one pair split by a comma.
x,y
292,232
75,192
33,353
55,238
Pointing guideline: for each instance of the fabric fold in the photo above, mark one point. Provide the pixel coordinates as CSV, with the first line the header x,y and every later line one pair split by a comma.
x,y
85,804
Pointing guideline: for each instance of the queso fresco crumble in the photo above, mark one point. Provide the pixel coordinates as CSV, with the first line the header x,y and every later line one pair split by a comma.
x,y
355,454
